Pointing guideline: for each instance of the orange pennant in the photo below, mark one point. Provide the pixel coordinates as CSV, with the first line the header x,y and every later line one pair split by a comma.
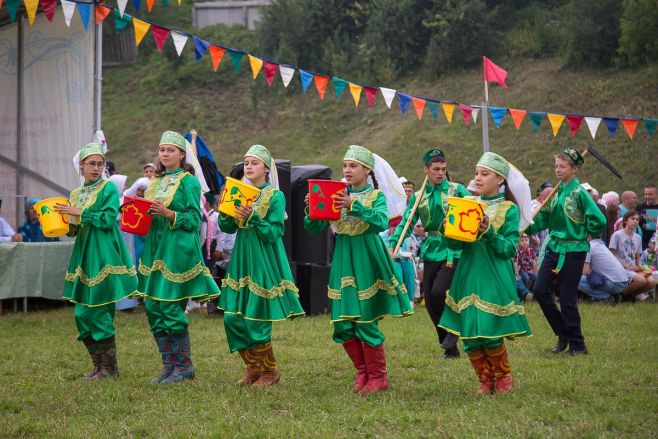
x,y
216,54
448,109
517,116
102,12
630,125
556,122
149,4
419,104
321,84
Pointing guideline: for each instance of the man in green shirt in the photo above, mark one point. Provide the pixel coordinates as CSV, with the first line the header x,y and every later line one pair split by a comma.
x,y
439,261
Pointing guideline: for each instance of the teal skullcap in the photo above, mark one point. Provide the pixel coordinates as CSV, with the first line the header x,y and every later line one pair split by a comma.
x,y
261,153
494,163
359,154
429,155
574,156
174,139
91,149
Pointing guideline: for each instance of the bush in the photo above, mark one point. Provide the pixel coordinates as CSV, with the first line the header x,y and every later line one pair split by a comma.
x,y
638,44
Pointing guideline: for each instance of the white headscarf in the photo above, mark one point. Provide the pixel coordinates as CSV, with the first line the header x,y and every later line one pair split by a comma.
x,y
389,183
520,188
140,183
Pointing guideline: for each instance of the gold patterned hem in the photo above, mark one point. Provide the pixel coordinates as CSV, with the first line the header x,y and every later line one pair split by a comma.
x,y
265,293
391,288
160,265
510,335
290,316
134,295
353,319
101,276
483,305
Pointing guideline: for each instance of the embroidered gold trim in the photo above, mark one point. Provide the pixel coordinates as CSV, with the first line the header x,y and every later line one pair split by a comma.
x,y
257,289
483,305
160,265
497,212
101,276
347,281
169,192
571,209
391,288
353,226
88,200
261,206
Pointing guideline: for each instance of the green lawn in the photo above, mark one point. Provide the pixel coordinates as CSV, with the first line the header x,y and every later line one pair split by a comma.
x,y
610,393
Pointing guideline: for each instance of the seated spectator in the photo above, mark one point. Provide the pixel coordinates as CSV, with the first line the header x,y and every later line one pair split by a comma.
x,y
149,170
525,263
30,230
649,254
138,188
7,233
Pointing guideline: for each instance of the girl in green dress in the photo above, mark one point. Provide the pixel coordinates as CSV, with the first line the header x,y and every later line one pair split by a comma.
x,y
258,288
101,271
171,269
482,306
363,283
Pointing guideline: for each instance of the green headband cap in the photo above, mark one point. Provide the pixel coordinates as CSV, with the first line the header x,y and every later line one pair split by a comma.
x,y
174,139
429,155
494,163
91,149
574,156
360,155
261,153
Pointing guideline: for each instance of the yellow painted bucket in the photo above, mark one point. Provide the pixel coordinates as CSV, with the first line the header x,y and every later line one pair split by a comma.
x,y
237,193
53,224
463,219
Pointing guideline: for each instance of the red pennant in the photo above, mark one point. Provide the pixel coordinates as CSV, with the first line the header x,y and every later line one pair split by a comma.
x,y
493,73
102,12
160,35
630,125
419,104
216,54
466,113
49,7
270,71
149,4
371,93
517,116
321,82
574,122
0,3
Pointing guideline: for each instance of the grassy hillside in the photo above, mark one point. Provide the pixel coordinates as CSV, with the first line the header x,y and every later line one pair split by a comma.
x,y
233,111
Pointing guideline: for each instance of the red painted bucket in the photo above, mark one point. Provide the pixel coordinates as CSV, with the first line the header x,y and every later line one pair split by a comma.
x,y
135,218
321,194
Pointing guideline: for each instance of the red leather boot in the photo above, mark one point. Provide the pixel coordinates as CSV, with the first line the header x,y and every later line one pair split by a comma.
x,y
376,369
500,368
354,349
482,368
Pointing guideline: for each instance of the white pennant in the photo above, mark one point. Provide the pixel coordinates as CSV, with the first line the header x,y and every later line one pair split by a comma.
x,y
286,74
122,6
593,124
474,114
68,8
388,94
179,41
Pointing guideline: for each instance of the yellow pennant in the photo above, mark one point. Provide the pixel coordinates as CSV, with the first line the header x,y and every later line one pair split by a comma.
x,y
31,6
141,27
179,1
356,93
556,122
448,109
256,65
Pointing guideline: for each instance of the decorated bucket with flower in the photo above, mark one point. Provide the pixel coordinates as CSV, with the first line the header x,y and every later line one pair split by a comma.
x,y
321,195
463,219
237,193
53,224
135,216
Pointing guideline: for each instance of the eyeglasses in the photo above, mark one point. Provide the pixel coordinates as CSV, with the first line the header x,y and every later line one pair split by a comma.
x,y
95,164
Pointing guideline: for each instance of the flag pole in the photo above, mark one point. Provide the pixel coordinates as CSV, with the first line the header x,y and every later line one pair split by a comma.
x,y
485,118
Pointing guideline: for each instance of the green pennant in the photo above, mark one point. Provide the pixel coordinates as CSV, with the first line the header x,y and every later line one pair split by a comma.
x,y
236,59
120,22
650,125
12,9
165,3
536,118
339,86
434,108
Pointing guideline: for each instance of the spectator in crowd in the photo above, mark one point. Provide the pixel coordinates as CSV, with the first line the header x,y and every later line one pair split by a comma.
x,y
593,193
537,241
404,260
648,213
111,168
525,263
221,248
409,187
137,190
418,235
612,215
149,170
610,199
604,276
649,255
7,233
30,230
628,201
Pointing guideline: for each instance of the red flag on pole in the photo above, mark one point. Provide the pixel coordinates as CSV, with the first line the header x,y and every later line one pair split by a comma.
x,y
493,73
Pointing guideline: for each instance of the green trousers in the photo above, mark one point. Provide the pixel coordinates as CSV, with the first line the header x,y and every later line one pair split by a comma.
x,y
167,317
96,322
475,344
242,333
345,330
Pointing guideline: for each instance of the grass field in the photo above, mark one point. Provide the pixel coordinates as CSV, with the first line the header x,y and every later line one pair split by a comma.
x,y
610,393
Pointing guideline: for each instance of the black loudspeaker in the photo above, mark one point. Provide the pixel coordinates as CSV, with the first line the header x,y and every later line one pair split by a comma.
x,y
307,248
312,281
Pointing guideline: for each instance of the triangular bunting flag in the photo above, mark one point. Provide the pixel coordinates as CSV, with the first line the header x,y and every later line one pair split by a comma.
x,y
536,117
287,73
433,106
593,124
49,7
448,109
84,9
339,86
306,79
179,2
122,6
12,10
102,12
419,105
160,35
270,71
31,8
141,27
650,125
355,89
404,100
371,93
611,124
321,82
236,59
216,55
388,94
137,4
165,3
517,116
556,122
574,122
474,114
0,3
256,64
149,5
466,112
200,47
120,21
497,114
179,41
630,125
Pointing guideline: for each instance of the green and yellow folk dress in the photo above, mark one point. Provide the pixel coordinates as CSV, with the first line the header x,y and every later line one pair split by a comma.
x,y
482,304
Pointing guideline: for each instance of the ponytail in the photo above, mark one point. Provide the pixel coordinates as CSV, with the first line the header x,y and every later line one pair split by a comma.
x,y
509,196
375,184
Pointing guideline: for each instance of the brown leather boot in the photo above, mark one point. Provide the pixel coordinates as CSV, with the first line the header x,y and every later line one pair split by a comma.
x,y
354,349
92,348
500,367
269,375
252,360
482,368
